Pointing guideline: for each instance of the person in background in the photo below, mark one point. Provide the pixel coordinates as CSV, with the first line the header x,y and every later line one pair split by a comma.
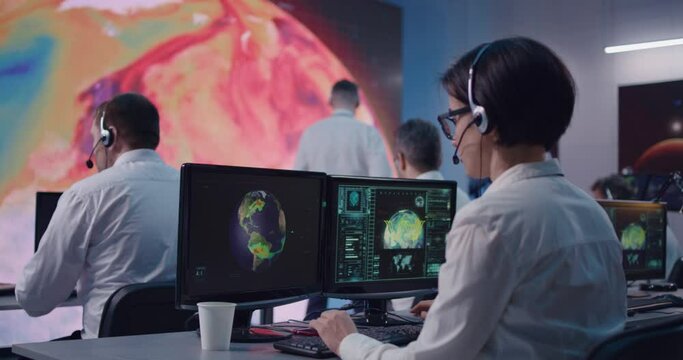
x,y
533,267
418,154
615,187
114,228
341,144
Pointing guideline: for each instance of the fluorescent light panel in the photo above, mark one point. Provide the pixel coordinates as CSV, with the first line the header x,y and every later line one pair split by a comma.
x,y
643,46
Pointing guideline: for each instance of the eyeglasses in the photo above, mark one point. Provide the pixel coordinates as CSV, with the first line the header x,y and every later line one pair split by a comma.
x,y
449,116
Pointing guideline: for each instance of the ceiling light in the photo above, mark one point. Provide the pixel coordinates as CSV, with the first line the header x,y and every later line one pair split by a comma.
x,y
643,45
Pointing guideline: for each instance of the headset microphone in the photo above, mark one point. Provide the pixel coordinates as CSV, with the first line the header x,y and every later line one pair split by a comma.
x,y
89,162
456,159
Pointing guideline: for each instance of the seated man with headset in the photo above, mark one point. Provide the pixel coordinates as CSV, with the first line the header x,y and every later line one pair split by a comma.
x,y
533,267
114,228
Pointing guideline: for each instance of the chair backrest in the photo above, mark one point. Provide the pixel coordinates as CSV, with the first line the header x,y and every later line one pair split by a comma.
x,y
663,340
142,309
676,275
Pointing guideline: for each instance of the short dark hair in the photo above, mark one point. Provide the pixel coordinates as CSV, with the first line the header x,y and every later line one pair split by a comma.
x,y
346,90
135,118
617,185
527,91
418,139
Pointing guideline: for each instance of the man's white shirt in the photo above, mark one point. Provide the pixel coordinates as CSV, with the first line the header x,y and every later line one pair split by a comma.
x,y
111,229
342,145
533,271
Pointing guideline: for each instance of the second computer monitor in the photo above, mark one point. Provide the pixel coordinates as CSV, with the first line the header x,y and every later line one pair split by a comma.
x,y
249,236
641,228
386,237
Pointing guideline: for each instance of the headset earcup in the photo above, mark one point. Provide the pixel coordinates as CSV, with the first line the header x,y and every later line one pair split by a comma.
x,y
111,137
107,137
481,120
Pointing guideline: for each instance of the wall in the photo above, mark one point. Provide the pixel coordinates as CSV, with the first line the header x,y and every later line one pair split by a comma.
x,y
437,31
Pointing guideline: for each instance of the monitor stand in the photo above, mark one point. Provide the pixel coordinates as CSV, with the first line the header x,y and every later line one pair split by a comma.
x,y
242,332
375,314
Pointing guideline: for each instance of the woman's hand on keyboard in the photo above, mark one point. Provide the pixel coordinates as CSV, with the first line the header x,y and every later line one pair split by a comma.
x,y
333,326
420,309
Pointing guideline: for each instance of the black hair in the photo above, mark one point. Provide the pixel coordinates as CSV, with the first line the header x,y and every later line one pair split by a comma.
x,y
135,118
527,91
347,91
419,141
617,186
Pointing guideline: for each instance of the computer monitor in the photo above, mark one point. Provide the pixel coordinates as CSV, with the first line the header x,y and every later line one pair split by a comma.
x,y
46,203
648,186
386,239
248,236
641,228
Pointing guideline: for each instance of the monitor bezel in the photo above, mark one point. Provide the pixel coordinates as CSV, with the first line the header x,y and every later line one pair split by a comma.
x,y
245,300
41,198
376,289
649,274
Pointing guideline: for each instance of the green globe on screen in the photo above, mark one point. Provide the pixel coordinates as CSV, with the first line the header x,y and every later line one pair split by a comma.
x,y
262,230
404,230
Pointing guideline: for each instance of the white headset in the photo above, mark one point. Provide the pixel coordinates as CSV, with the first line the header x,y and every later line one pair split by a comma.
x,y
106,136
478,111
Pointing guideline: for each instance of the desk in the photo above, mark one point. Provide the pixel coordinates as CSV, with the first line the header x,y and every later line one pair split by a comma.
x,y
169,346
186,345
182,345
9,302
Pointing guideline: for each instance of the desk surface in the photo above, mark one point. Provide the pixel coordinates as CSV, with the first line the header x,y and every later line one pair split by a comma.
x,y
182,345
169,346
185,345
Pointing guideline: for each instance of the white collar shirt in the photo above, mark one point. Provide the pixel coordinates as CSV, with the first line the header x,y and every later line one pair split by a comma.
x,y
342,145
533,271
114,228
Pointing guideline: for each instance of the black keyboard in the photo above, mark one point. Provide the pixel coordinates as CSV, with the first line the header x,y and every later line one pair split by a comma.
x,y
653,303
313,346
650,322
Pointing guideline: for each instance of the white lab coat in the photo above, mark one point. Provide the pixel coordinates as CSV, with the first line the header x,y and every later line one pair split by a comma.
x,y
342,145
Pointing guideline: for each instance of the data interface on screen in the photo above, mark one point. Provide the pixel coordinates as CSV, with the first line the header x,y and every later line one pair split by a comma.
x,y
386,233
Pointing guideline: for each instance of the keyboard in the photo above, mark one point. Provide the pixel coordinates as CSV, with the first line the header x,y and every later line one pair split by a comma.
x,y
313,346
651,322
654,303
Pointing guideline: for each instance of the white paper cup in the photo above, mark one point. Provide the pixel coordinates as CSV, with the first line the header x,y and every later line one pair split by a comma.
x,y
215,324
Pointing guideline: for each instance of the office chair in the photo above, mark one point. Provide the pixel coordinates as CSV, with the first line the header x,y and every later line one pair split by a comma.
x,y
676,275
142,309
661,340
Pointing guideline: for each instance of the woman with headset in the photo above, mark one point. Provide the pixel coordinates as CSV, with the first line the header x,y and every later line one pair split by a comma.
x,y
533,267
